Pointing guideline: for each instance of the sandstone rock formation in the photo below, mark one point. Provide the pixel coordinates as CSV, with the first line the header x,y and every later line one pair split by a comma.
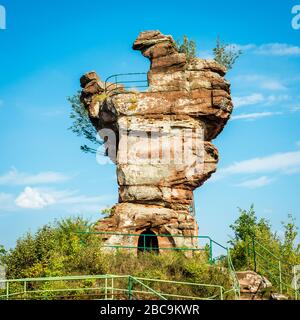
x,y
186,105
253,286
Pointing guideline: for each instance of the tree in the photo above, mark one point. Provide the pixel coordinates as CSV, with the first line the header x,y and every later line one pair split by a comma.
x,y
188,47
2,253
289,250
82,125
247,227
48,252
225,54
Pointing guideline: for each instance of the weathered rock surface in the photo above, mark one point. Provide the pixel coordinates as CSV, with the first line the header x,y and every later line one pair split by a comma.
x,y
253,286
187,104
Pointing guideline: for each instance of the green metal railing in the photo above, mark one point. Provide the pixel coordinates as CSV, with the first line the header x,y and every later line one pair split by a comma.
x,y
210,247
280,273
131,82
127,287
107,287
235,280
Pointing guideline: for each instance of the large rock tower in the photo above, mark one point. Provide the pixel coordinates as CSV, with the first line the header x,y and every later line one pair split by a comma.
x,y
162,146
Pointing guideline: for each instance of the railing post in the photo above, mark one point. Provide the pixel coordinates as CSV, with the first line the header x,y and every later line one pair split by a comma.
x,y
210,252
295,283
144,237
112,288
248,252
7,290
106,288
228,260
280,276
25,289
254,255
130,285
221,293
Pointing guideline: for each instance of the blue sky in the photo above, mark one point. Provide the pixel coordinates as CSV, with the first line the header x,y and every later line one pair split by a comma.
x,y
48,45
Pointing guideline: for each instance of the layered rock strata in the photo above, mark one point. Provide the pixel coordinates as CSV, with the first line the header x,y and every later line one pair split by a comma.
x,y
162,139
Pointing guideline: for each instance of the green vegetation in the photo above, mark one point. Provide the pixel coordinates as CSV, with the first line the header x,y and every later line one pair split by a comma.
x,y
2,253
248,226
48,252
82,125
256,247
59,250
107,212
188,47
225,54
56,250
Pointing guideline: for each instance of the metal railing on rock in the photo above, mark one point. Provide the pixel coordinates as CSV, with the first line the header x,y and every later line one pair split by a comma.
x,y
126,83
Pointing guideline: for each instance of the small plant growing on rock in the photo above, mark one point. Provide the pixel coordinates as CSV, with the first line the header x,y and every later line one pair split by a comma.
x,y
108,212
225,54
188,47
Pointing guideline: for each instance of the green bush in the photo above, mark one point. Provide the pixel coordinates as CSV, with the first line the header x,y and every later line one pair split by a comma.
x,y
225,54
49,252
248,226
188,47
272,252
2,253
57,250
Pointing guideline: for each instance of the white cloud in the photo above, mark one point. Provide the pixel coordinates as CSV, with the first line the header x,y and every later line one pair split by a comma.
x,y
252,99
14,177
245,47
256,183
295,108
271,49
272,85
278,49
258,98
287,163
254,116
35,198
262,81
275,99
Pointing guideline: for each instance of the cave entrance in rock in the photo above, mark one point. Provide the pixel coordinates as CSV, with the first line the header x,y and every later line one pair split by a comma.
x,y
148,242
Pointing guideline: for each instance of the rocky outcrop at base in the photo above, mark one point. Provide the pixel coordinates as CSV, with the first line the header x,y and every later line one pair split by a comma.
x,y
253,286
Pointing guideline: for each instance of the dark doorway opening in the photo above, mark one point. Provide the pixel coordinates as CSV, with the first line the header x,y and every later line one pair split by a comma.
x,y
148,242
